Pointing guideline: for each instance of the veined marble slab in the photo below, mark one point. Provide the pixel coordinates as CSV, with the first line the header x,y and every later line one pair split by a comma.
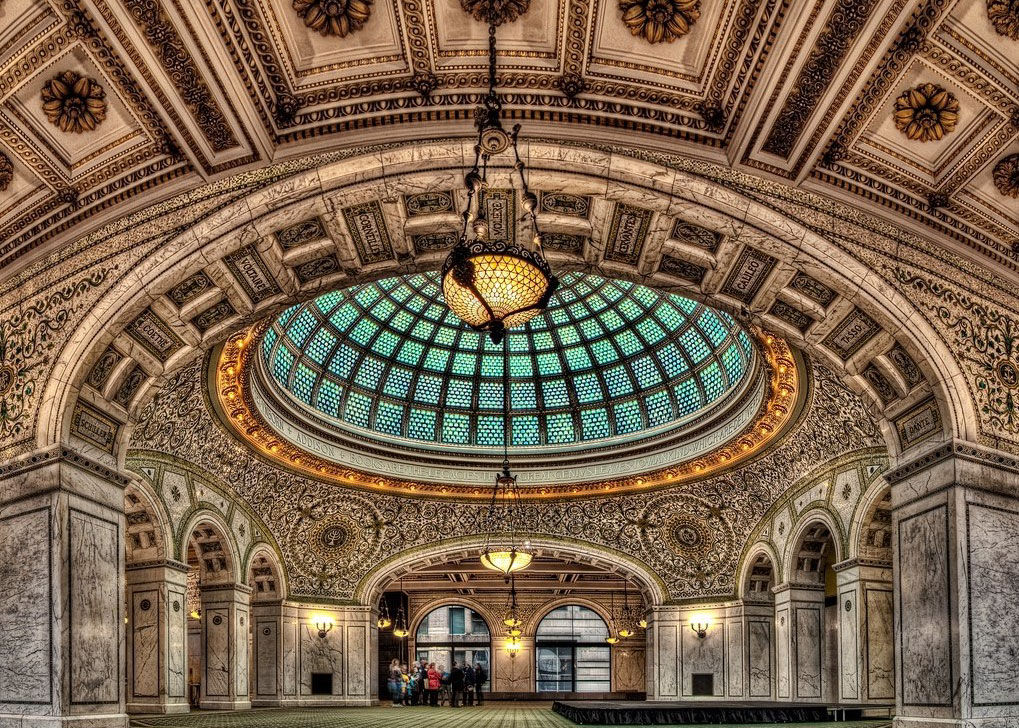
x,y
880,648
759,650
265,658
808,652
25,642
176,652
993,534
357,658
95,622
145,643
217,652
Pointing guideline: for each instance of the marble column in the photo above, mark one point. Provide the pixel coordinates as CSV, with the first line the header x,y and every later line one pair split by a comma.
x,y
157,638
866,647
513,673
799,643
267,654
956,577
225,633
61,592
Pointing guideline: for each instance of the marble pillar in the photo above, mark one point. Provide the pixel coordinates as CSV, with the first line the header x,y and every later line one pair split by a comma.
x,y
799,643
269,622
681,664
956,577
225,633
866,646
513,673
157,638
749,650
61,592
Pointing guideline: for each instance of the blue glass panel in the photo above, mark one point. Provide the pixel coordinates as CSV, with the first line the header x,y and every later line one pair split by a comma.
x,y
688,397
428,389
490,432
711,378
554,393
587,388
321,344
456,429
398,382
329,394
369,373
646,372
594,423
304,382
421,425
628,417
459,393
490,395
526,431
358,409
659,409
560,429
389,418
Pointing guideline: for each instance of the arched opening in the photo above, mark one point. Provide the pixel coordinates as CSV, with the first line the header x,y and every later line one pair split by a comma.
x,y
759,580
571,654
455,635
816,673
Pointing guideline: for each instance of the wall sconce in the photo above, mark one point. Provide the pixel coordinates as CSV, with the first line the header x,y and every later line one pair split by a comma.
x,y
513,645
323,623
699,623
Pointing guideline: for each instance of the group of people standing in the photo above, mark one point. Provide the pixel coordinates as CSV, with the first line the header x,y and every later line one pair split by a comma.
x,y
426,684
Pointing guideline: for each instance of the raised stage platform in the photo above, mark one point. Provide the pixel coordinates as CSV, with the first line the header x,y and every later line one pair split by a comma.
x,y
634,712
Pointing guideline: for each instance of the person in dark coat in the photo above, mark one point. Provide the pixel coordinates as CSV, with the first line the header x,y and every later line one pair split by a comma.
x,y
456,685
480,675
468,685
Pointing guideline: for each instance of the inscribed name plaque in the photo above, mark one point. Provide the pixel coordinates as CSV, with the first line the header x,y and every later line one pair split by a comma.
x,y
367,228
155,336
748,275
251,273
627,233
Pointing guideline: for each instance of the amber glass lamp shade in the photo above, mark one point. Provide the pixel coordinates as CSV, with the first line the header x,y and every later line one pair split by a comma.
x,y
493,287
506,562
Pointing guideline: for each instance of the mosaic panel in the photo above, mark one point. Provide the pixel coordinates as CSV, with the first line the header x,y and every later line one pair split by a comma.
x,y
154,335
367,227
190,288
563,203
748,275
215,314
687,232
298,234
851,333
627,233
812,289
429,203
250,271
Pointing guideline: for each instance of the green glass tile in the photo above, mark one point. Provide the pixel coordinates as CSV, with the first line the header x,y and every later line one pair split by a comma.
x,y
554,394
456,428
587,388
389,419
320,346
490,431
398,382
526,431
421,425
459,393
490,395
428,389
594,423
560,429
328,398
369,373
358,409
628,418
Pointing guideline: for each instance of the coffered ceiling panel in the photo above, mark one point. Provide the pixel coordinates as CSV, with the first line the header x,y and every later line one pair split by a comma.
x,y
807,91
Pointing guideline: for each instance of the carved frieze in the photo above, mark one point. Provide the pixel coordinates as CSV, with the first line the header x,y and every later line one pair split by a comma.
x,y
627,233
334,17
367,227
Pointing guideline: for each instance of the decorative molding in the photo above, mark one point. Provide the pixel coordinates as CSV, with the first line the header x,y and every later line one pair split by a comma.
x,y
1006,175
659,21
495,12
926,113
1004,16
74,103
334,17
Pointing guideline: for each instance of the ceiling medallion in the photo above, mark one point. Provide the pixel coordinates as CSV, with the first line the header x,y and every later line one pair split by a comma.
x,y
495,12
73,102
232,382
926,113
660,21
6,171
334,17
1006,175
494,285
1004,16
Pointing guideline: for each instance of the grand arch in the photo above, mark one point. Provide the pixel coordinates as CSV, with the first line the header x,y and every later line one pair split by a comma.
x,y
841,311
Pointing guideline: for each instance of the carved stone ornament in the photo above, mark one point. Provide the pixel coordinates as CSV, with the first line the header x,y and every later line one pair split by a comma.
x,y
1006,175
73,102
1004,16
334,17
659,21
495,11
926,113
6,172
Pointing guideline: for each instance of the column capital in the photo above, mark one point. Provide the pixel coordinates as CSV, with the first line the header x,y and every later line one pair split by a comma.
x,y
60,468
954,463
171,564
861,563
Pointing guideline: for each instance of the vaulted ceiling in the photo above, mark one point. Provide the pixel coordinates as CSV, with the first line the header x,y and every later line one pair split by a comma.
x,y
908,108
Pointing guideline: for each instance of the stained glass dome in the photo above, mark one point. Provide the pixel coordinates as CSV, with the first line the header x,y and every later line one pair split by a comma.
x,y
609,361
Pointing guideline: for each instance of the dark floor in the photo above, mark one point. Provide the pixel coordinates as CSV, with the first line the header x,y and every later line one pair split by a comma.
x,y
497,715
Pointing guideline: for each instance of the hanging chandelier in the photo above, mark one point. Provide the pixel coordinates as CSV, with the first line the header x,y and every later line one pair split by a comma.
x,y
384,621
400,629
502,551
495,285
627,625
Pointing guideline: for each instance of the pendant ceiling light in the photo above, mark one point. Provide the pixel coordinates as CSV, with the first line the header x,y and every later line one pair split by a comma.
x,y
400,629
384,621
503,552
627,625
492,284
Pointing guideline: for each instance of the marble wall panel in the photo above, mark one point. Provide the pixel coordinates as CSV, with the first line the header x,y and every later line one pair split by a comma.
x,y
241,651
145,643
808,652
94,606
734,659
265,657
290,658
703,655
782,666
992,537
759,658
924,607
667,665
879,650
849,650
321,654
216,622
25,639
176,652
628,669
357,659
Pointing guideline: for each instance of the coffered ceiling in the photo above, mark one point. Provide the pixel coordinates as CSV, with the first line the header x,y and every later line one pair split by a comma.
x,y
908,108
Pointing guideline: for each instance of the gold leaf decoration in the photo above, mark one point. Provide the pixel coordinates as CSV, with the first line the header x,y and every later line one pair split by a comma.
x,y
659,21
73,102
1004,16
334,17
1006,175
6,172
495,11
926,113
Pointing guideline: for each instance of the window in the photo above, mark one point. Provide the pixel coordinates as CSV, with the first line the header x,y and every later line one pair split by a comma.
x,y
454,634
571,653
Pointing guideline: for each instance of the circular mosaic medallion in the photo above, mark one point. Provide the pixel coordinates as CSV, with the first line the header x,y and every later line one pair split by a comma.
x,y
689,536
176,606
334,536
1007,373
217,620
266,631
145,605
7,376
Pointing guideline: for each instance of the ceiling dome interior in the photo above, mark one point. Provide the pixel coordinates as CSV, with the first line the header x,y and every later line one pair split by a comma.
x,y
609,361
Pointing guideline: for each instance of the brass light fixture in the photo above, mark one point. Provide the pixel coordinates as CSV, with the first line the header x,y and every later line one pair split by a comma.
x,y
502,552
495,285
627,625
699,623
400,629
323,623
384,621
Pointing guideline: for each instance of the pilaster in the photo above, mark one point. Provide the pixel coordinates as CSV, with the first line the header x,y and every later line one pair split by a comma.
x,y
799,642
62,595
225,630
157,638
866,645
956,578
